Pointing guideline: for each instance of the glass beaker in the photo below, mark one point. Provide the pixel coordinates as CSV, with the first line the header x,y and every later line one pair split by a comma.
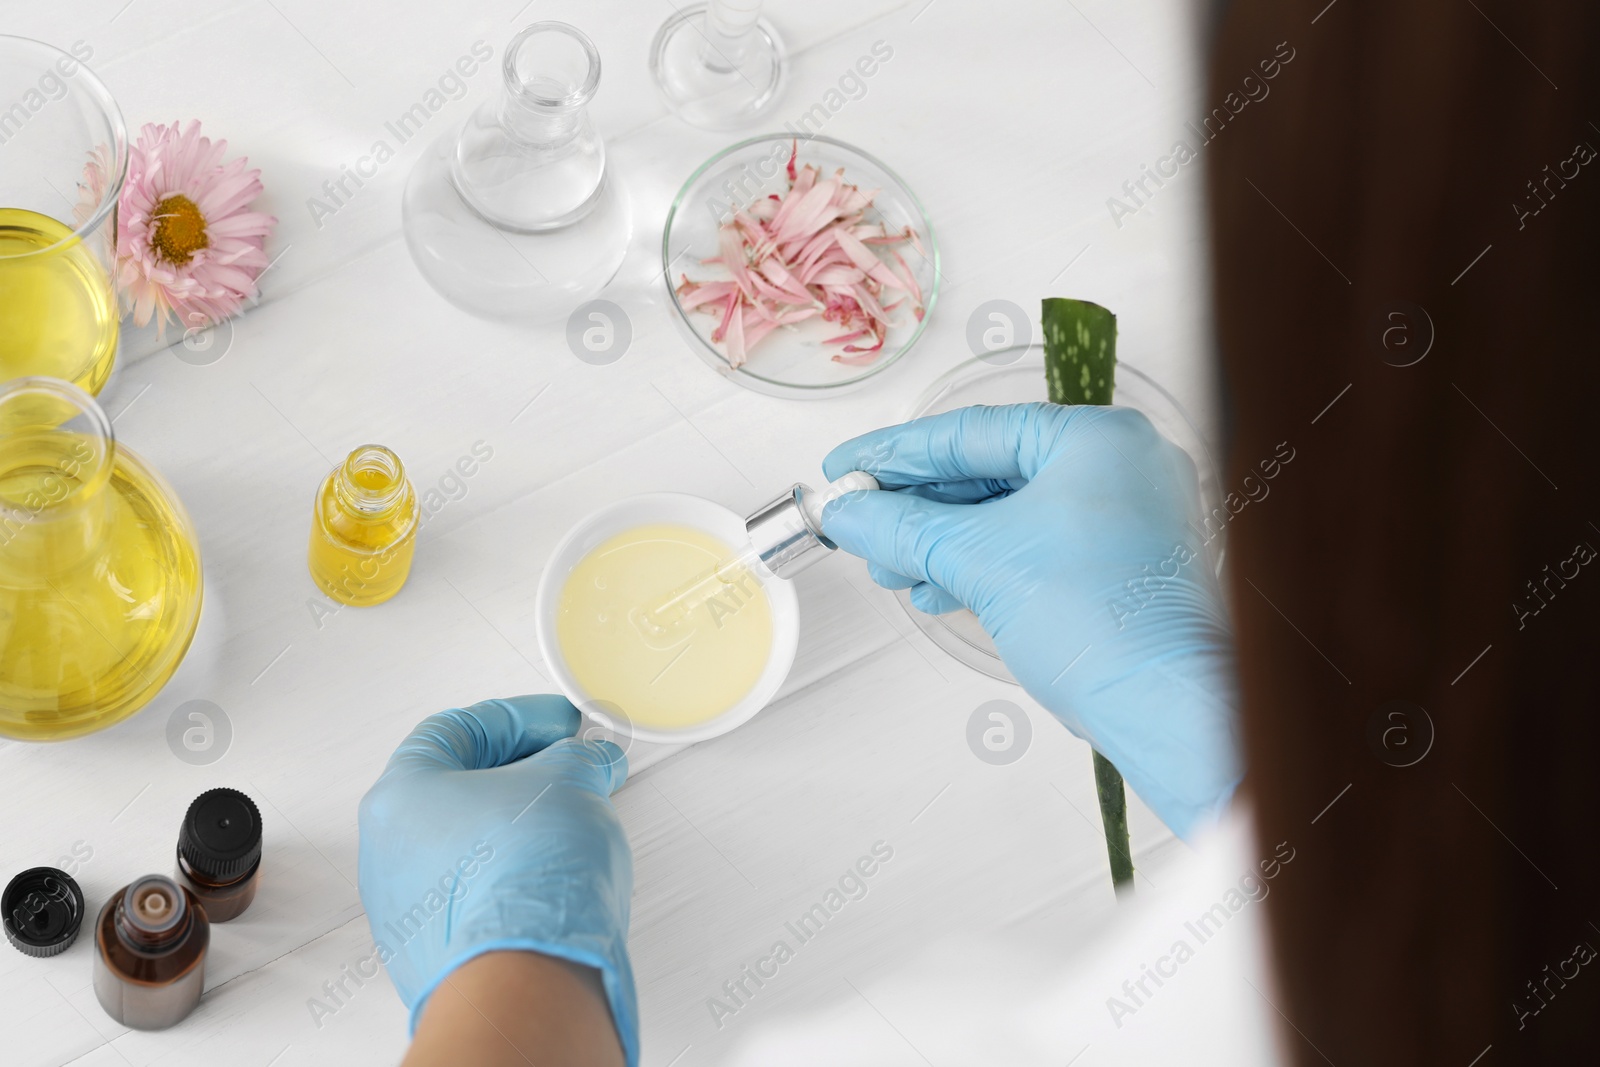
x,y
100,584
63,159
514,215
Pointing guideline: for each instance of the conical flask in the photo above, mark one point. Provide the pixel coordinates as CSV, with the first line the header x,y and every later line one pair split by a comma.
x,y
100,583
515,215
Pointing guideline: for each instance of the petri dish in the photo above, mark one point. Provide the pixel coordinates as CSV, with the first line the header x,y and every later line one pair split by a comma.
x,y
1015,375
791,362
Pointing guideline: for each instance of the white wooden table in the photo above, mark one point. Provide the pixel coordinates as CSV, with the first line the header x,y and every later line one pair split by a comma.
x,y
1013,122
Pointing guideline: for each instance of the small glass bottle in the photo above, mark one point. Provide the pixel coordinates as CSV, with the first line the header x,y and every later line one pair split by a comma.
x,y
219,852
150,954
364,529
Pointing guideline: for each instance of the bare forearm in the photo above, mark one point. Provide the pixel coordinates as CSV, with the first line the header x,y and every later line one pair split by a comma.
x,y
517,1008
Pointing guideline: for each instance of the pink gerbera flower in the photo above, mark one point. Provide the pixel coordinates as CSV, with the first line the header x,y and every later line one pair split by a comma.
x,y
187,243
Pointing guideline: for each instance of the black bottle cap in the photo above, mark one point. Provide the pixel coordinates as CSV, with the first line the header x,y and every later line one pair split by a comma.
x,y
43,910
221,835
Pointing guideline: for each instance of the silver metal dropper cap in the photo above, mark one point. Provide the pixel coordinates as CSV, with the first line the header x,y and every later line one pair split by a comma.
x,y
786,534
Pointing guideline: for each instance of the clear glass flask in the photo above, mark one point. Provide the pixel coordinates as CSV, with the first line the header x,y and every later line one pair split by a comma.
x,y
515,215
719,65
63,160
100,584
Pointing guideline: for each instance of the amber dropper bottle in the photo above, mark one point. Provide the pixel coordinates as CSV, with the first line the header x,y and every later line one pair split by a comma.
x,y
150,954
219,852
364,529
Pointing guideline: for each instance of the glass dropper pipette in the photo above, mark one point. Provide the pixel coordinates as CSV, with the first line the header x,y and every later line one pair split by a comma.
x,y
785,537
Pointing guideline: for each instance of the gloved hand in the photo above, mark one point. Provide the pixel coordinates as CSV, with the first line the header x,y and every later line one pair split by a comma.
x,y
492,829
1073,533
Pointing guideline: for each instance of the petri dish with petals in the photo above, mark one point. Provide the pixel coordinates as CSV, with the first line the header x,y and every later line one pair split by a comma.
x,y
793,361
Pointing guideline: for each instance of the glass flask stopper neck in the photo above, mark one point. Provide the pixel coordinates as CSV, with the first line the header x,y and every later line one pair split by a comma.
x,y
551,72
729,29
533,162
56,457
718,63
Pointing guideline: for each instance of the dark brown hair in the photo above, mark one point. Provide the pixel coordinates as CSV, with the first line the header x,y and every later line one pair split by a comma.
x,y
1406,229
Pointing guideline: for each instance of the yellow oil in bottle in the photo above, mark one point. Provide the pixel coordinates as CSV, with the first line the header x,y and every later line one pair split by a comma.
x,y
364,531
712,651
58,313
100,581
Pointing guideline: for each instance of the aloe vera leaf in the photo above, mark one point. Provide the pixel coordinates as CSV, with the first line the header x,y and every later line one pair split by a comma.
x,y
1080,367
1114,816
1080,351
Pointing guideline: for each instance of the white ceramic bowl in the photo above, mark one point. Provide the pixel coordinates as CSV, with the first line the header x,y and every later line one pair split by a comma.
x,y
682,510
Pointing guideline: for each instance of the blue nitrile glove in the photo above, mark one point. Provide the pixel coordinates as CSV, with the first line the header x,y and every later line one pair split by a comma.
x,y
492,829
1073,533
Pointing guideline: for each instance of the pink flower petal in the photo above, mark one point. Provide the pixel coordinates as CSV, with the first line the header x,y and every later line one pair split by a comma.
x,y
732,257
737,352
863,356
864,258
704,293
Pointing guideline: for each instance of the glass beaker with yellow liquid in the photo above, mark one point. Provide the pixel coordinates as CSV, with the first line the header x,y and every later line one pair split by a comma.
x,y
63,160
100,584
